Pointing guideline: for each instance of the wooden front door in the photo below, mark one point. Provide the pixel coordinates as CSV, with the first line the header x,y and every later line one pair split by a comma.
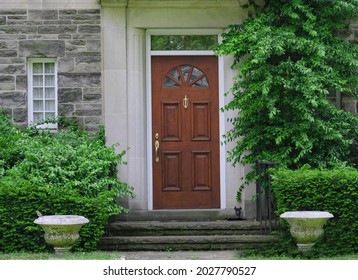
x,y
185,135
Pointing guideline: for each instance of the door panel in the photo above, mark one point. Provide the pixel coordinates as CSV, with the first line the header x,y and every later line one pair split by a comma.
x,y
185,118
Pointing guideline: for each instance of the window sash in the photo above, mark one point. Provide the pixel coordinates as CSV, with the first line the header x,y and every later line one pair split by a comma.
x,y
42,101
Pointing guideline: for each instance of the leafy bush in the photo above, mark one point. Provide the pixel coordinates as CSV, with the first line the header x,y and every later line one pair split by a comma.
x,y
289,57
56,173
9,152
335,191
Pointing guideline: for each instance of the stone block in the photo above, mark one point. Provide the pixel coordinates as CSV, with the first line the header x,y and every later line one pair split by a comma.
x,y
6,45
64,36
23,22
57,22
97,90
76,46
68,12
13,12
69,95
7,86
66,110
57,29
20,115
2,20
12,60
12,36
12,99
16,17
12,69
89,29
79,79
92,120
8,53
66,64
43,14
42,48
21,82
43,37
88,110
94,98
87,36
89,11
6,78
88,57
94,45
80,18
18,29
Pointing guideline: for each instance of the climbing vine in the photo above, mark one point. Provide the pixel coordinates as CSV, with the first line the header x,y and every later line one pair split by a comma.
x,y
289,55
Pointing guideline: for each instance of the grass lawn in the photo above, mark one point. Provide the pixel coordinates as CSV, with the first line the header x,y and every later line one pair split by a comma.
x,y
104,255
98,255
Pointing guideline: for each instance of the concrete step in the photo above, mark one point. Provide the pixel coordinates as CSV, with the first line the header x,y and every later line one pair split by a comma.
x,y
184,235
156,228
175,215
179,242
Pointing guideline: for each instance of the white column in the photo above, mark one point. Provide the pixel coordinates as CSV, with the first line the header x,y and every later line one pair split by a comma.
x,y
115,79
137,124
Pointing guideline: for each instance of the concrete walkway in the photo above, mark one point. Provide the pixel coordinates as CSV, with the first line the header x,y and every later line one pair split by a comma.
x,y
180,255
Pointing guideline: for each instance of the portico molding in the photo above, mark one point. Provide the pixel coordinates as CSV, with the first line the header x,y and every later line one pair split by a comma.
x,y
153,4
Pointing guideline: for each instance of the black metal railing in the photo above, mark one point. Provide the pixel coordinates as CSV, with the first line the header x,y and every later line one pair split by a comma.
x,y
265,201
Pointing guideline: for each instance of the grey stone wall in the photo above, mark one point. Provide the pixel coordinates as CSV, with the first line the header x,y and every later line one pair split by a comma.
x,y
71,36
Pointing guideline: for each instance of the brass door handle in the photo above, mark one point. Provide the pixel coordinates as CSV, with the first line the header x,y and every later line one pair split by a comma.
x,y
185,102
156,145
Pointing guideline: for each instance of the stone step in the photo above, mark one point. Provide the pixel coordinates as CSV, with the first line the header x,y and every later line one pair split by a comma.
x,y
156,228
179,242
175,215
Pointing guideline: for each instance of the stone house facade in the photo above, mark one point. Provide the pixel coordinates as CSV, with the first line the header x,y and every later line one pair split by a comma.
x,y
73,37
104,67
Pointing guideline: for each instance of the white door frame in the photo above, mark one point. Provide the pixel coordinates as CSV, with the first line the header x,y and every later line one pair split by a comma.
x,y
149,54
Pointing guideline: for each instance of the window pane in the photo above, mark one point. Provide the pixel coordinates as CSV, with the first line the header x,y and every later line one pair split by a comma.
x,y
175,74
49,68
38,105
38,117
37,81
185,69
37,68
49,80
50,105
169,83
184,42
49,116
49,92
38,94
203,82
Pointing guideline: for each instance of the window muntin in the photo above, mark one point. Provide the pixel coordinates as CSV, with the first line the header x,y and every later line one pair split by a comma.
x,y
42,91
185,75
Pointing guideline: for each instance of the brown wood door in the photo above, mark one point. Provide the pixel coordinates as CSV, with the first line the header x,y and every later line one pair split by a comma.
x,y
185,135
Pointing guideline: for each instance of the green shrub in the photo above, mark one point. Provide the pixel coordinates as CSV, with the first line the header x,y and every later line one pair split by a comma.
x,y
9,152
56,173
335,191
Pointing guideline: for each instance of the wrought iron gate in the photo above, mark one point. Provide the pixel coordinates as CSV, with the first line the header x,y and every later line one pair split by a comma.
x,y
265,201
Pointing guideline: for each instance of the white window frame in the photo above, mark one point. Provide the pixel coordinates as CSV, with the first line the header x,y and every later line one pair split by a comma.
x,y
30,98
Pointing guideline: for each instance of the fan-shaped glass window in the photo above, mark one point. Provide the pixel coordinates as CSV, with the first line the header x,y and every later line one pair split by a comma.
x,y
185,75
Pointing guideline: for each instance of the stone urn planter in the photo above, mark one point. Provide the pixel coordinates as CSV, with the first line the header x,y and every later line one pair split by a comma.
x,y
306,227
61,231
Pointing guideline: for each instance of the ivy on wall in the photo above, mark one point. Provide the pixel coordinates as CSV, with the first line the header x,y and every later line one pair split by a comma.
x,y
289,56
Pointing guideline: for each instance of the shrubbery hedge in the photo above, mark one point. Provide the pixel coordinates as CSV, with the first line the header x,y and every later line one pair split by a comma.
x,y
55,173
335,191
